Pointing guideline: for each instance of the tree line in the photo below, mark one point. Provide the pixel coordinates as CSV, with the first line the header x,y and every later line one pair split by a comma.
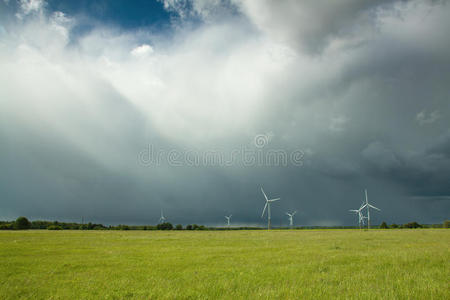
x,y
23,223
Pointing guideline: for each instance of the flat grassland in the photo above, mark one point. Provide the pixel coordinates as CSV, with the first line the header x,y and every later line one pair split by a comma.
x,y
280,264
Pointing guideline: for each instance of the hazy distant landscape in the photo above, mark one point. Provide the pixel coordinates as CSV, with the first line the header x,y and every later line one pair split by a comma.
x,y
23,223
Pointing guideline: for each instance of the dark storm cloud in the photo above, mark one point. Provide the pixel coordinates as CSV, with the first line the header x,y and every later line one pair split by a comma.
x,y
312,25
422,173
360,88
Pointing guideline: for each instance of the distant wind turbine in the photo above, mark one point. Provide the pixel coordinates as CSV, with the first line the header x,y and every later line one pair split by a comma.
x,y
228,220
162,219
367,205
291,219
268,201
360,214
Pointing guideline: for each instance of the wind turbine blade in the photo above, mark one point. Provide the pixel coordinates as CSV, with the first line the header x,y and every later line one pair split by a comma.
x,y
265,196
273,200
264,210
294,212
367,199
354,210
288,214
374,207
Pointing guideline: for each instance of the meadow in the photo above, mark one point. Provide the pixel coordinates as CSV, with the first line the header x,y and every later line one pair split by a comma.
x,y
277,264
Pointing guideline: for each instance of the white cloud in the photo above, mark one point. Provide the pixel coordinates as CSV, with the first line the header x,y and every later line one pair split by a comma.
x,y
423,119
29,7
203,9
142,51
311,25
337,124
207,83
212,82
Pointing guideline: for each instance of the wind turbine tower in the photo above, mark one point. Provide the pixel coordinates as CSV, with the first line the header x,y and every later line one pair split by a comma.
x,y
360,215
368,206
268,201
291,218
228,220
162,219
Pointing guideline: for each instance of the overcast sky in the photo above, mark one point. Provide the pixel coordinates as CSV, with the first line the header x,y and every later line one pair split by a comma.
x,y
113,110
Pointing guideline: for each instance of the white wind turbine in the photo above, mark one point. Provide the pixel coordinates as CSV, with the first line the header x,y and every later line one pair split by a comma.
x,y
291,219
360,215
228,220
268,201
162,219
367,205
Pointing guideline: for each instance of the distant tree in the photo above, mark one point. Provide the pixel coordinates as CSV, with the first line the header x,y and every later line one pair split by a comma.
x,y
195,227
124,227
54,227
164,226
446,224
92,226
7,226
189,227
40,224
394,226
416,225
412,225
384,225
22,223
179,227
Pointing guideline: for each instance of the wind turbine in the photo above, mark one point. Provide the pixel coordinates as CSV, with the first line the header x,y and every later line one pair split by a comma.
x,y
367,205
162,219
228,220
268,207
290,217
360,215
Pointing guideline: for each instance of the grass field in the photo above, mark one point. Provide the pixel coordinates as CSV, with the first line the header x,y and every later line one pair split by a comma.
x,y
299,264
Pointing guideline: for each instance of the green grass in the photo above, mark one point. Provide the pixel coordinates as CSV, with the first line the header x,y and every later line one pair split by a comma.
x,y
299,264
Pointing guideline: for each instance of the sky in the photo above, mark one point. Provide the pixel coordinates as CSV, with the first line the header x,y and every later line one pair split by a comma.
x,y
113,110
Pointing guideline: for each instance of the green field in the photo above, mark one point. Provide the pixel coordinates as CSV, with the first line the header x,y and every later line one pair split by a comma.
x,y
284,264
